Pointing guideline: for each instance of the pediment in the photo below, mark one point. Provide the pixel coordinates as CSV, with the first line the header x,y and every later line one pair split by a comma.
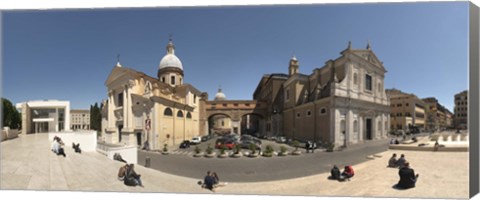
x,y
117,73
368,56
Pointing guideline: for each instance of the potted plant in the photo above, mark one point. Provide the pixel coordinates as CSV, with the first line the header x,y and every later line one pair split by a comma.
x,y
329,146
165,149
209,152
253,150
236,153
198,152
223,153
296,144
283,151
268,151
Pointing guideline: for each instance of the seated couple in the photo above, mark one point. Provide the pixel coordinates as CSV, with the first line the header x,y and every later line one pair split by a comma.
x,y
128,175
345,175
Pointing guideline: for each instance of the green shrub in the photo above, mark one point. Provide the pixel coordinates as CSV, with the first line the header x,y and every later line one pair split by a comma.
x,y
165,149
209,149
296,144
329,146
223,149
283,149
197,150
237,149
253,148
269,149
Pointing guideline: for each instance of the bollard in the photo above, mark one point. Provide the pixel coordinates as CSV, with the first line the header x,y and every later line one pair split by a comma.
x,y
147,162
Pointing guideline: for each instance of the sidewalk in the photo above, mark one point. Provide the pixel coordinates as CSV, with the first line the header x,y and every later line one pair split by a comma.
x,y
28,163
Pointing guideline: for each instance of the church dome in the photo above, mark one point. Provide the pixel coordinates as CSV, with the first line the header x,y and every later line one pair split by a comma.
x,y
170,60
220,95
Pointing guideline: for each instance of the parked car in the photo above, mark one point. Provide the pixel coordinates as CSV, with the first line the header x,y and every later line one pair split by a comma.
x,y
196,140
220,143
185,144
250,138
245,144
233,137
281,139
206,138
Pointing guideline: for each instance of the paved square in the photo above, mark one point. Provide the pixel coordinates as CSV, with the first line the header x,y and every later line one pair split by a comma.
x,y
28,163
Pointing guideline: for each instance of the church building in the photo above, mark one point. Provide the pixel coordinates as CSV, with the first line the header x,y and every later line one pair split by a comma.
x,y
342,102
160,110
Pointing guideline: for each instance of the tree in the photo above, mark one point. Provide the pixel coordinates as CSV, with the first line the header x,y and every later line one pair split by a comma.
x,y
95,117
11,116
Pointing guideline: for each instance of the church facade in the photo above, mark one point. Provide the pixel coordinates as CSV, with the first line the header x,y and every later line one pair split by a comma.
x,y
343,102
160,110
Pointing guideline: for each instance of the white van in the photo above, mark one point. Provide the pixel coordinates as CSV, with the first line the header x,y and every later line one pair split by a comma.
x,y
196,140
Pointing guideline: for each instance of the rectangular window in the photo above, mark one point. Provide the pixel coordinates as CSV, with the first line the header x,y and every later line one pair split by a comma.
x,y
120,99
194,98
368,82
173,80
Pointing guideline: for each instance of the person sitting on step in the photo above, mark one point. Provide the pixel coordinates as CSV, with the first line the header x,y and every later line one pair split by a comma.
x,y
348,172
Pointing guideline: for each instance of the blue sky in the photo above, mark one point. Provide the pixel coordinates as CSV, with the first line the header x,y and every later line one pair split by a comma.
x,y
68,54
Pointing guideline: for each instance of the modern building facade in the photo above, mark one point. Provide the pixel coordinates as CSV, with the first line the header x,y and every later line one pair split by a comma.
x,y
343,102
438,117
160,110
461,110
407,111
44,116
80,119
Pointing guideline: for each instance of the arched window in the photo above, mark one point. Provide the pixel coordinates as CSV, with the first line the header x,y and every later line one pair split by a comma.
x,y
355,126
179,113
342,126
189,116
223,123
168,112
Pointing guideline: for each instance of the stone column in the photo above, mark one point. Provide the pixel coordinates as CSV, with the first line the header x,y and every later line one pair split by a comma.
x,y
66,123
349,126
56,120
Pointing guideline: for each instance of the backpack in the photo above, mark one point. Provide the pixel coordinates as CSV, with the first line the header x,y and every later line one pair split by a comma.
x,y
122,171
